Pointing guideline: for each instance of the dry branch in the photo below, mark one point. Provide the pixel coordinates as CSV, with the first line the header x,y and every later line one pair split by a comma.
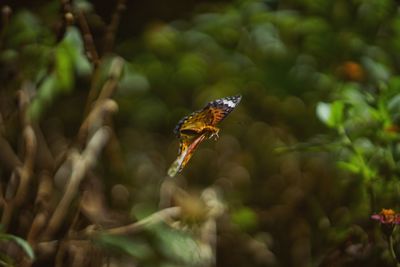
x,y
80,164
110,86
113,26
161,216
17,188
91,50
8,159
96,118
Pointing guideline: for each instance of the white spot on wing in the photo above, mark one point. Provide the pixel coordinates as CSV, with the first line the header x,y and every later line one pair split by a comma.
x,y
228,103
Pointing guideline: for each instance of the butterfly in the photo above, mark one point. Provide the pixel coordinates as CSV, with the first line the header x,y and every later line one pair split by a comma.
x,y
199,125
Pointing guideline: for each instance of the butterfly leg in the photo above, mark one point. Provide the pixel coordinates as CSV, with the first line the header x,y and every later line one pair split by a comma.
x,y
213,131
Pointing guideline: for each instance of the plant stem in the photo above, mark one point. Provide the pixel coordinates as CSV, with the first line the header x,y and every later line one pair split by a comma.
x,y
392,251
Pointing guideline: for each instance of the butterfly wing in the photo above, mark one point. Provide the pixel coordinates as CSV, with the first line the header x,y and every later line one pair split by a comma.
x,y
187,148
217,110
190,128
210,115
187,120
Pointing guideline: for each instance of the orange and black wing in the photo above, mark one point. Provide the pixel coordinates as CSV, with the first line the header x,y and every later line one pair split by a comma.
x,y
199,115
212,114
217,110
187,148
190,137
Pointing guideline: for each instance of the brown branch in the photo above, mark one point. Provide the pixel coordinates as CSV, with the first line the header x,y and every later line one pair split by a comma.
x,y
114,154
44,157
43,196
19,182
164,215
23,103
207,237
96,118
6,12
44,191
27,168
8,159
47,248
157,217
29,136
109,86
80,164
8,205
93,90
91,50
60,252
111,30
37,226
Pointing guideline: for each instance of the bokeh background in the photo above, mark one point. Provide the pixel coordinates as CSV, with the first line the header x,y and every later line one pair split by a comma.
x,y
301,164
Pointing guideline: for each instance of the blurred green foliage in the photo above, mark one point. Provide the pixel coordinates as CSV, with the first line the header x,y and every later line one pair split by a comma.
x,y
295,62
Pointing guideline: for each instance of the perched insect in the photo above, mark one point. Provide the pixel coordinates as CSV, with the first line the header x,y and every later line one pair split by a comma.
x,y
201,124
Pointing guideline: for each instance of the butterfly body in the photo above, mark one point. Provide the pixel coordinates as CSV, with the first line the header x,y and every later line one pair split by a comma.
x,y
199,125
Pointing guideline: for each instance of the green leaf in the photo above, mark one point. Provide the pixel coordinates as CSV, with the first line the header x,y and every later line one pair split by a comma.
x,y
74,43
135,248
324,112
394,104
24,28
331,114
36,108
64,67
351,93
353,168
82,65
377,71
21,242
48,89
180,246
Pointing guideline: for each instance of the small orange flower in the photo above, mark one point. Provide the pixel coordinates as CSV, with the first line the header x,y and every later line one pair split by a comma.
x,y
387,216
351,70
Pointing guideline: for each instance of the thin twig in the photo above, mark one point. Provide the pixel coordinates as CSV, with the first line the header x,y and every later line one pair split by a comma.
x,y
6,12
21,175
91,50
81,163
27,168
109,86
90,231
157,217
44,158
8,159
45,189
96,118
392,252
111,30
